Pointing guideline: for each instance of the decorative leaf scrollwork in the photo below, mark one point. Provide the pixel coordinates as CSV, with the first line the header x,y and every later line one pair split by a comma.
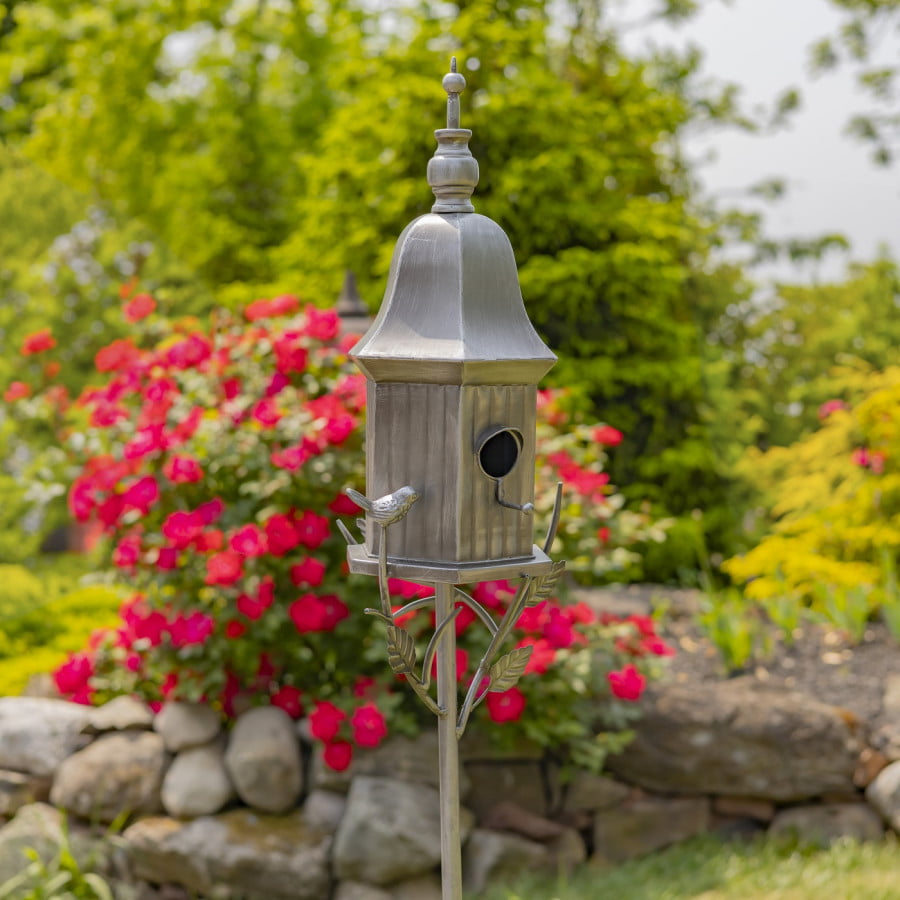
x,y
506,672
544,584
401,651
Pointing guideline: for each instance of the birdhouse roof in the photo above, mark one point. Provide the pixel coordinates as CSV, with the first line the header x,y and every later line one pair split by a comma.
x,y
452,311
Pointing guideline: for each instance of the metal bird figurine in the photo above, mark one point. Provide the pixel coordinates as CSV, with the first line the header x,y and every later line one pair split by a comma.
x,y
387,509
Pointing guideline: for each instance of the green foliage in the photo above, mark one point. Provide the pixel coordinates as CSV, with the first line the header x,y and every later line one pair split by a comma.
x,y
790,352
734,626
868,27
61,878
255,142
43,618
835,540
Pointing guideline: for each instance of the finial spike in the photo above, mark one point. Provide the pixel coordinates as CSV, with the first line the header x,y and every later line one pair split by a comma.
x,y
453,84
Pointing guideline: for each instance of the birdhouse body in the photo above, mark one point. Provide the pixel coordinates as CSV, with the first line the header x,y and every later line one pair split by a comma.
x,y
429,435
452,363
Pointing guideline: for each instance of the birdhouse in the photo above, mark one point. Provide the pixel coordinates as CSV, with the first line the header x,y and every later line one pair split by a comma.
x,y
452,364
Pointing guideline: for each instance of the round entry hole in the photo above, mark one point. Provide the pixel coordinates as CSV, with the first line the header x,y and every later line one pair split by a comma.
x,y
499,453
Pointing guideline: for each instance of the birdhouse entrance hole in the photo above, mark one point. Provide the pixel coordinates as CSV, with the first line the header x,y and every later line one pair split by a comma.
x,y
499,452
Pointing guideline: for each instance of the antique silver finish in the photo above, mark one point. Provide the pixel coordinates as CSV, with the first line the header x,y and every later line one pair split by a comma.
x,y
452,364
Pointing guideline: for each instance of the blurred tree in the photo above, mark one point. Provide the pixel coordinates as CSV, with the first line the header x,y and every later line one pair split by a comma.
x,y
867,40
270,146
786,353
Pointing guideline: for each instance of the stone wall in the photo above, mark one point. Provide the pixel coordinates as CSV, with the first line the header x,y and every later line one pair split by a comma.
x,y
169,806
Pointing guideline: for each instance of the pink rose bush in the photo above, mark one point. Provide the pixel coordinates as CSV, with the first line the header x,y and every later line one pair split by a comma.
x,y
214,460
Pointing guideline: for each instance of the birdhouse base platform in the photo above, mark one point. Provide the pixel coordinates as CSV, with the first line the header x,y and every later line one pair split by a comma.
x,y
362,563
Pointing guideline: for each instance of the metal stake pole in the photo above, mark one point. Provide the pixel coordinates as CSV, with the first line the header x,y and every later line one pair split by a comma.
x,y
448,749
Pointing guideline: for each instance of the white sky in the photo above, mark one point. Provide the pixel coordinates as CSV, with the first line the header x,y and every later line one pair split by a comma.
x,y
763,45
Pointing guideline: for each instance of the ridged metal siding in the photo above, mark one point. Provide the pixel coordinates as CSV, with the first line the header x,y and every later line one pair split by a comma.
x,y
425,435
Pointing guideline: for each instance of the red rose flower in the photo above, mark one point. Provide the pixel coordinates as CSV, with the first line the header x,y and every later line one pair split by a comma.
x,y
117,356
288,699
249,541
189,353
235,629
283,305
82,499
183,470
312,530
543,655
338,756
369,727
627,683
185,631
224,568
127,552
310,572
258,309
147,440
292,458
325,721
607,435
209,541
507,706
307,613
322,324
211,510
290,355
142,494
282,534
182,528
139,307
342,505
558,630
16,391
74,673
38,342
266,413
167,558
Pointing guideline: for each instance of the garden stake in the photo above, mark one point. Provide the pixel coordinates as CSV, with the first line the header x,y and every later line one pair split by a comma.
x,y
452,364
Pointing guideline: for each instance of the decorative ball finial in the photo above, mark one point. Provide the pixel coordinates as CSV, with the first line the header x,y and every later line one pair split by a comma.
x,y
453,84
453,171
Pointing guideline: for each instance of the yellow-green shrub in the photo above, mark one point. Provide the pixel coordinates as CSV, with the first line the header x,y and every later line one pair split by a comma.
x,y
36,635
837,503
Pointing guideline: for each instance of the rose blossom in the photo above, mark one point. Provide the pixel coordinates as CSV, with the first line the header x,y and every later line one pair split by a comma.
x,y
139,307
338,755
325,721
369,727
288,699
506,706
38,342
627,683
183,470
224,568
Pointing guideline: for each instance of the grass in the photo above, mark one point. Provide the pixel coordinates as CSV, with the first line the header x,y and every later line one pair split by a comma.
x,y
46,613
708,869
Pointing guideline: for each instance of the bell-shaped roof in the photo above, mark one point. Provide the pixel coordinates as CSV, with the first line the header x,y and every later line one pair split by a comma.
x,y
452,311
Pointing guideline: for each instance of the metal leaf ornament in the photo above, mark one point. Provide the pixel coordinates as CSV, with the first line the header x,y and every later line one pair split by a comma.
x,y
506,672
401,651
545,584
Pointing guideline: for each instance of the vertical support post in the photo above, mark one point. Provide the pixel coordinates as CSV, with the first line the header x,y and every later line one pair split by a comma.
x,y
448,749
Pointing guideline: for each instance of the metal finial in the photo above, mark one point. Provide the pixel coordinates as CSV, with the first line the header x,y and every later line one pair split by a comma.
x,y
453,84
